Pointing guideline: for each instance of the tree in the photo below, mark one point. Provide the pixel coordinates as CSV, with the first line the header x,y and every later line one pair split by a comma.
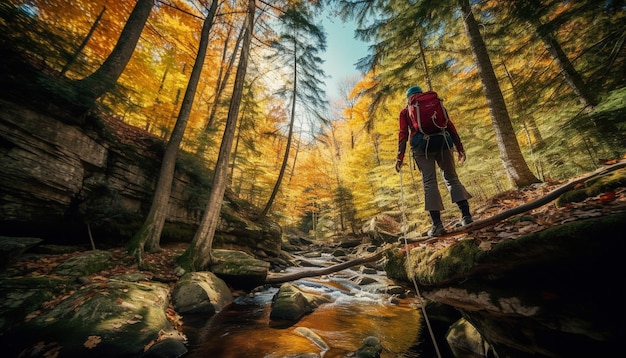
x,y
223,75
105,77
149,235
198,257
84,42
298,48
514,164
532,11
344,201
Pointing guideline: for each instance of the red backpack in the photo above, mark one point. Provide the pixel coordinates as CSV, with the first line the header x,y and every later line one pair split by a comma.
x,y
427,112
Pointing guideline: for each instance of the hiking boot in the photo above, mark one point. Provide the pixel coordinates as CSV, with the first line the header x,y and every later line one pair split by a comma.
x,y
436,230
466,220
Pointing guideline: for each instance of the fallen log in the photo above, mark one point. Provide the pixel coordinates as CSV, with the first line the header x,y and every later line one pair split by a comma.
x,y
282,278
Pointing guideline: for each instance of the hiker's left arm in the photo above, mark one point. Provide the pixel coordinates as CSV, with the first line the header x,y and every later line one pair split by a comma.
x,y
455,137
462,157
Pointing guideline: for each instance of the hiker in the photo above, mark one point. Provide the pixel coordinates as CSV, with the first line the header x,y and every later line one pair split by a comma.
x,y
432,136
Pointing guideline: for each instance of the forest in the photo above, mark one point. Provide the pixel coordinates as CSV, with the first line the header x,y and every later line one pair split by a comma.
x,y
534,87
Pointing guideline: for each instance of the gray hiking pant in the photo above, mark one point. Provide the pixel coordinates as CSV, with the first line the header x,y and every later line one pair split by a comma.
x,y
426,164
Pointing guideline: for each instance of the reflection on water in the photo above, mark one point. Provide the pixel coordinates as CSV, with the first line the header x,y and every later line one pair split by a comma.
x,y
245,330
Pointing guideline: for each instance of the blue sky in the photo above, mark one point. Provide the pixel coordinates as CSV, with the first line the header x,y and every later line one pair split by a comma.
x,y
342,52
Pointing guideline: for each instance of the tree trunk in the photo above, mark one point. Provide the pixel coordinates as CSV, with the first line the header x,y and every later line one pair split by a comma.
x,y
106,76
531,12
222,82
197,257
283,166
426,70
528,121
572,77
514,164
149,235
84,43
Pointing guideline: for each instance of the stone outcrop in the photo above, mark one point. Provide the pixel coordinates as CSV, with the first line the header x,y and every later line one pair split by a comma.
x,y
65,179
554,293
11,248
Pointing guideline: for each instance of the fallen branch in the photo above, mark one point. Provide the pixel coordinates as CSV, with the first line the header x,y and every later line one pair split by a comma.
x,y
282,278
479,224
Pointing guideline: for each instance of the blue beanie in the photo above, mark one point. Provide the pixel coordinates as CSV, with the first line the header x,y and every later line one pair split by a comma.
x,y
413,90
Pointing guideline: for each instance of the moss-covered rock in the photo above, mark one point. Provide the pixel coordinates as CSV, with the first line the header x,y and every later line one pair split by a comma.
x,y
201,292
20,296
239,269
115,318
85,263
291,303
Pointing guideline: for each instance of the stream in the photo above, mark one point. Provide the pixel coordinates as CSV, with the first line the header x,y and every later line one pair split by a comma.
x,y
336,329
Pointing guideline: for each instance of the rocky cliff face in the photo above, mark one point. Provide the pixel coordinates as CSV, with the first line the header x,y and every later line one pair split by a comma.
x,y
63,175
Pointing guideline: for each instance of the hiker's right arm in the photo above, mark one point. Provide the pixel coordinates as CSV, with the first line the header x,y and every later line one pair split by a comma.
x,y
403,136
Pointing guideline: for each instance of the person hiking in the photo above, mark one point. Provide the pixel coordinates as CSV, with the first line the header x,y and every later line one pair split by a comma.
x,y
432,136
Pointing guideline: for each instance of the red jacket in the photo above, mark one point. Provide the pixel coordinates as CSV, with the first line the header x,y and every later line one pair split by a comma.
x,y
406,127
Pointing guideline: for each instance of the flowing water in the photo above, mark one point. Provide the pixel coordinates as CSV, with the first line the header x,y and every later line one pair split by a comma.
x,y
335,329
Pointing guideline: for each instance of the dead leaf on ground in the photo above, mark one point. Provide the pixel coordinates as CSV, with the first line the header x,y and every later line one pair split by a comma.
x,y
92,341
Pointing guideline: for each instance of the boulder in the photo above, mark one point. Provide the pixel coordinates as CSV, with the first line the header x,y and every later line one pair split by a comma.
x,y
113,318
291,303
465,341
167,348
371,348
239,269
201,292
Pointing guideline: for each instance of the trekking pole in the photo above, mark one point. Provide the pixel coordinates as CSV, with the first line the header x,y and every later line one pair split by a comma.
x,y
417,291
413,181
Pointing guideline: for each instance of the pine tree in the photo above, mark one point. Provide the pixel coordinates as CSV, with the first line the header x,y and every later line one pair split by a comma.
x,y
298,49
